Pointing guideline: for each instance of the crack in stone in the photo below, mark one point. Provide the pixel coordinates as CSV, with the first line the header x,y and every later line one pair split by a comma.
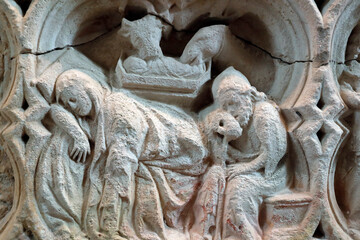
x,y
339,63
258,47
69,45
271,55
242,39
174,28
345,62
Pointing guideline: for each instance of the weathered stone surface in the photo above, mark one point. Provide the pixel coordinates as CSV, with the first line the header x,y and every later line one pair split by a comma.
x,y
170,119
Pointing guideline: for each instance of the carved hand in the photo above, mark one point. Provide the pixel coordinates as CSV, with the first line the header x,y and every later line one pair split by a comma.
x,y
240,168
81,149
68,123
234,170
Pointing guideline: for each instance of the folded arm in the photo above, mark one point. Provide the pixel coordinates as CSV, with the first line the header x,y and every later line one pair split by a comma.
x,y
68,123
272,136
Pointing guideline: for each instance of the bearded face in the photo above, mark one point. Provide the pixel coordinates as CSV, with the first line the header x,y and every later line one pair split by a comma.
x,y
238,105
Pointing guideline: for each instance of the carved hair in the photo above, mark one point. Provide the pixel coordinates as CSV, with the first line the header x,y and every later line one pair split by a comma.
x,y
235,81
250,91
77,79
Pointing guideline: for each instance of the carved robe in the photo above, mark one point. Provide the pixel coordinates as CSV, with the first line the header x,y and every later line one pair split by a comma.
x,y
59,186
152,156
264,138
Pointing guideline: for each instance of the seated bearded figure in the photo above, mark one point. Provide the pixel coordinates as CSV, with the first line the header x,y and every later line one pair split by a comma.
x,y
247,140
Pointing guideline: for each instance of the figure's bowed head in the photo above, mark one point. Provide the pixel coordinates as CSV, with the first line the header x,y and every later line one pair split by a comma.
x,y
76,91
234,94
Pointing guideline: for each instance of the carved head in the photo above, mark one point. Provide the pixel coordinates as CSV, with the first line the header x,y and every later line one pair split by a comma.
x,y
145,35
78,92
223,124
233,93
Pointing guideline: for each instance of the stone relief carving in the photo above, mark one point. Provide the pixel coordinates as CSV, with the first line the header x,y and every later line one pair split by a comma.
x,y
7,186
245,160
148,60
179,119
348,168
132,154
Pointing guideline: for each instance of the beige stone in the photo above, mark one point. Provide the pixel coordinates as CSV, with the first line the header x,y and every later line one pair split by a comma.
x,y
179,119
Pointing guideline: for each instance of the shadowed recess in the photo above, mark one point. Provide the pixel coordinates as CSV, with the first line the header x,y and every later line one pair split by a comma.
x,y
24,5
321,3
319,233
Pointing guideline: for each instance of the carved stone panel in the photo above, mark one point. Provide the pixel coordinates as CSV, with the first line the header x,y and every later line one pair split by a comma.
x,y
170,119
